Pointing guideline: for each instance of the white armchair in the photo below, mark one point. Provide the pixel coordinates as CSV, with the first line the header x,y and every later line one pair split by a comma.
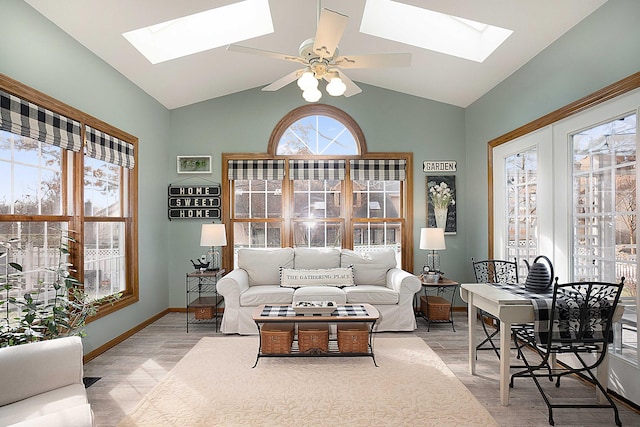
x,y
42,385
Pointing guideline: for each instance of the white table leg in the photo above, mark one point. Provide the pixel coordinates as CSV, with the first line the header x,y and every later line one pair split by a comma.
x,y
505,356
472,314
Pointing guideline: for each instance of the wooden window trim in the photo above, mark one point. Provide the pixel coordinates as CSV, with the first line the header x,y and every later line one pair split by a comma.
x,y
605,94
406,199
76,222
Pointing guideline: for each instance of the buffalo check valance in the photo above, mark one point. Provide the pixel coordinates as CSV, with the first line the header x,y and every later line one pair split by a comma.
x,y
108,148
378,170
256,169
28,119
317,169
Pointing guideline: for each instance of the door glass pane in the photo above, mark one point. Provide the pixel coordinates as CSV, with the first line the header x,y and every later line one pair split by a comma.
x,y
604,212
521,213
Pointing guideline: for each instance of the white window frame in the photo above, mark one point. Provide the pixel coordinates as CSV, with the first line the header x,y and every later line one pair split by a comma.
x,y
556,213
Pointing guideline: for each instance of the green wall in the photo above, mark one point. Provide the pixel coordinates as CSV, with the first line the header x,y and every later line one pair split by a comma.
x,y
600,50
37,53
243,122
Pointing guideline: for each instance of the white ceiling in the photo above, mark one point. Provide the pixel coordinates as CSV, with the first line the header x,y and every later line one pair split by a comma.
x,y
99,24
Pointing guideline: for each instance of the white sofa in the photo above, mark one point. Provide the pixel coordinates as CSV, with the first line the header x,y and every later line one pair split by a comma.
x,y
376,279
42,385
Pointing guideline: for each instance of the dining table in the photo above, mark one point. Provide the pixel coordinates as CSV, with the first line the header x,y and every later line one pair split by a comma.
x,y
511,304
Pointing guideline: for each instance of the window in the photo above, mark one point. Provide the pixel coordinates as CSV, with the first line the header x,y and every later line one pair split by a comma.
x,y
568,183
329,191
65,174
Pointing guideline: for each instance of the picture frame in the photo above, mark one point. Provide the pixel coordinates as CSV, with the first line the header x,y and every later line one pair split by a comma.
x,y
450,218
193,164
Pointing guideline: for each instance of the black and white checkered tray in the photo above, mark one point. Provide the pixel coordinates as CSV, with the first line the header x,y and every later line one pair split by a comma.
x,y
287,311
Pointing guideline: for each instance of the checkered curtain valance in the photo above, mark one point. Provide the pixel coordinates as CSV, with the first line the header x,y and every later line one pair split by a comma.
x,y
317,169
28,119
103,146
256,169
378,170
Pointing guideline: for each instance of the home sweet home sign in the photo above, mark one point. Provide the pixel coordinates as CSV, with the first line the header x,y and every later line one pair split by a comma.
x,y
194,202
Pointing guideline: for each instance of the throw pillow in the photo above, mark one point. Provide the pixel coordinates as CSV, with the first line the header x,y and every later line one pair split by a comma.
x,y
370,268
263,265
296,278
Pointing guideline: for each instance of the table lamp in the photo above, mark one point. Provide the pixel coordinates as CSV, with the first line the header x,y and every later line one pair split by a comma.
x,y
213,235
432,239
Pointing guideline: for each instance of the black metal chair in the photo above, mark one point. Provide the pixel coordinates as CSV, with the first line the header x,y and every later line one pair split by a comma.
x,y
580,321
493,271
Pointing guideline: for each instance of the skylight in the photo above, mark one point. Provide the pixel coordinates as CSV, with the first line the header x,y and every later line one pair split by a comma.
x,y
202,31
431,30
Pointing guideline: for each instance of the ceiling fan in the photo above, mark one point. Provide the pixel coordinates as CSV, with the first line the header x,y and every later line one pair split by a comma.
x,y
320,58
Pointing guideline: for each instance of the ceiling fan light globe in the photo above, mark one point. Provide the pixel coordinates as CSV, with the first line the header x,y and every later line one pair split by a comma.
x,y
312,95
336,87
307,81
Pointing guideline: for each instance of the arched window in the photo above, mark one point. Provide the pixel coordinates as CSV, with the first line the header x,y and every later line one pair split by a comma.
x,y
317,186
317,130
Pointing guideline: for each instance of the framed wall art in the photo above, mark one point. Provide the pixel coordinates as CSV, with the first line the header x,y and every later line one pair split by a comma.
x,y
441,202
194,164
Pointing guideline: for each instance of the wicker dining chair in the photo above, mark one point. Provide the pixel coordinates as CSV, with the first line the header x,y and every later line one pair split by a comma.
x,y
580,321
493,271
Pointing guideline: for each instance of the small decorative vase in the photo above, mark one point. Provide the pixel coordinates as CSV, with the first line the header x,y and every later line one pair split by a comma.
x,y
441,217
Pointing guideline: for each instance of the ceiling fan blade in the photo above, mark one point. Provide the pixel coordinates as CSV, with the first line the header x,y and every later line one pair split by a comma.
x,y
331,25
282,82
352,88
267,53
379,60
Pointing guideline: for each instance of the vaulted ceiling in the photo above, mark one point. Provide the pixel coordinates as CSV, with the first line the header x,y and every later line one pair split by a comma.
x,y
99,24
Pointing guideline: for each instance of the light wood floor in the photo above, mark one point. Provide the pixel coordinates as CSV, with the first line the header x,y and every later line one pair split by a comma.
x,y
134,367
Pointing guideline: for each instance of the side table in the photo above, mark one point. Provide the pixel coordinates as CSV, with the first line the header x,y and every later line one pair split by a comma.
x,y
445,288
202,297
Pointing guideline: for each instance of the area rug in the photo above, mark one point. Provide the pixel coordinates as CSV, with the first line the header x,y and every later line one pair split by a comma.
x,y
215,385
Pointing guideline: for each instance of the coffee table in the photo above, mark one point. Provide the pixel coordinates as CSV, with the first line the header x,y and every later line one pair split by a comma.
x,y
345,313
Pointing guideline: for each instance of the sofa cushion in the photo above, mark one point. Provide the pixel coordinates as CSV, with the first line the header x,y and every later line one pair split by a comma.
x,y
316,258
369,268
266,294
371,294
263,265
320,293
295,278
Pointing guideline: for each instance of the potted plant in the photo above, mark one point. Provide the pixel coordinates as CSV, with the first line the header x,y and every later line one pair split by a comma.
x,y
57,308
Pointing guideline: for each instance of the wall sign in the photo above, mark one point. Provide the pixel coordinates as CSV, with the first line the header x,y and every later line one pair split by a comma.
x,y
194,202
439,166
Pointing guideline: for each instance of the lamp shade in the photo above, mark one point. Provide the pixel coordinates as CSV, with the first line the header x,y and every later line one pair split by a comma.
x,y
213,235
432,239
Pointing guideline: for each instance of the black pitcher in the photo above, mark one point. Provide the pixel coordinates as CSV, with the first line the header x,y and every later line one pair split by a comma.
x,y
540,277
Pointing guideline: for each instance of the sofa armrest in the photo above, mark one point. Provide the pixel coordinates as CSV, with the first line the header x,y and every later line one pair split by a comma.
x,y
403,282
39,367
77,416
232,285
